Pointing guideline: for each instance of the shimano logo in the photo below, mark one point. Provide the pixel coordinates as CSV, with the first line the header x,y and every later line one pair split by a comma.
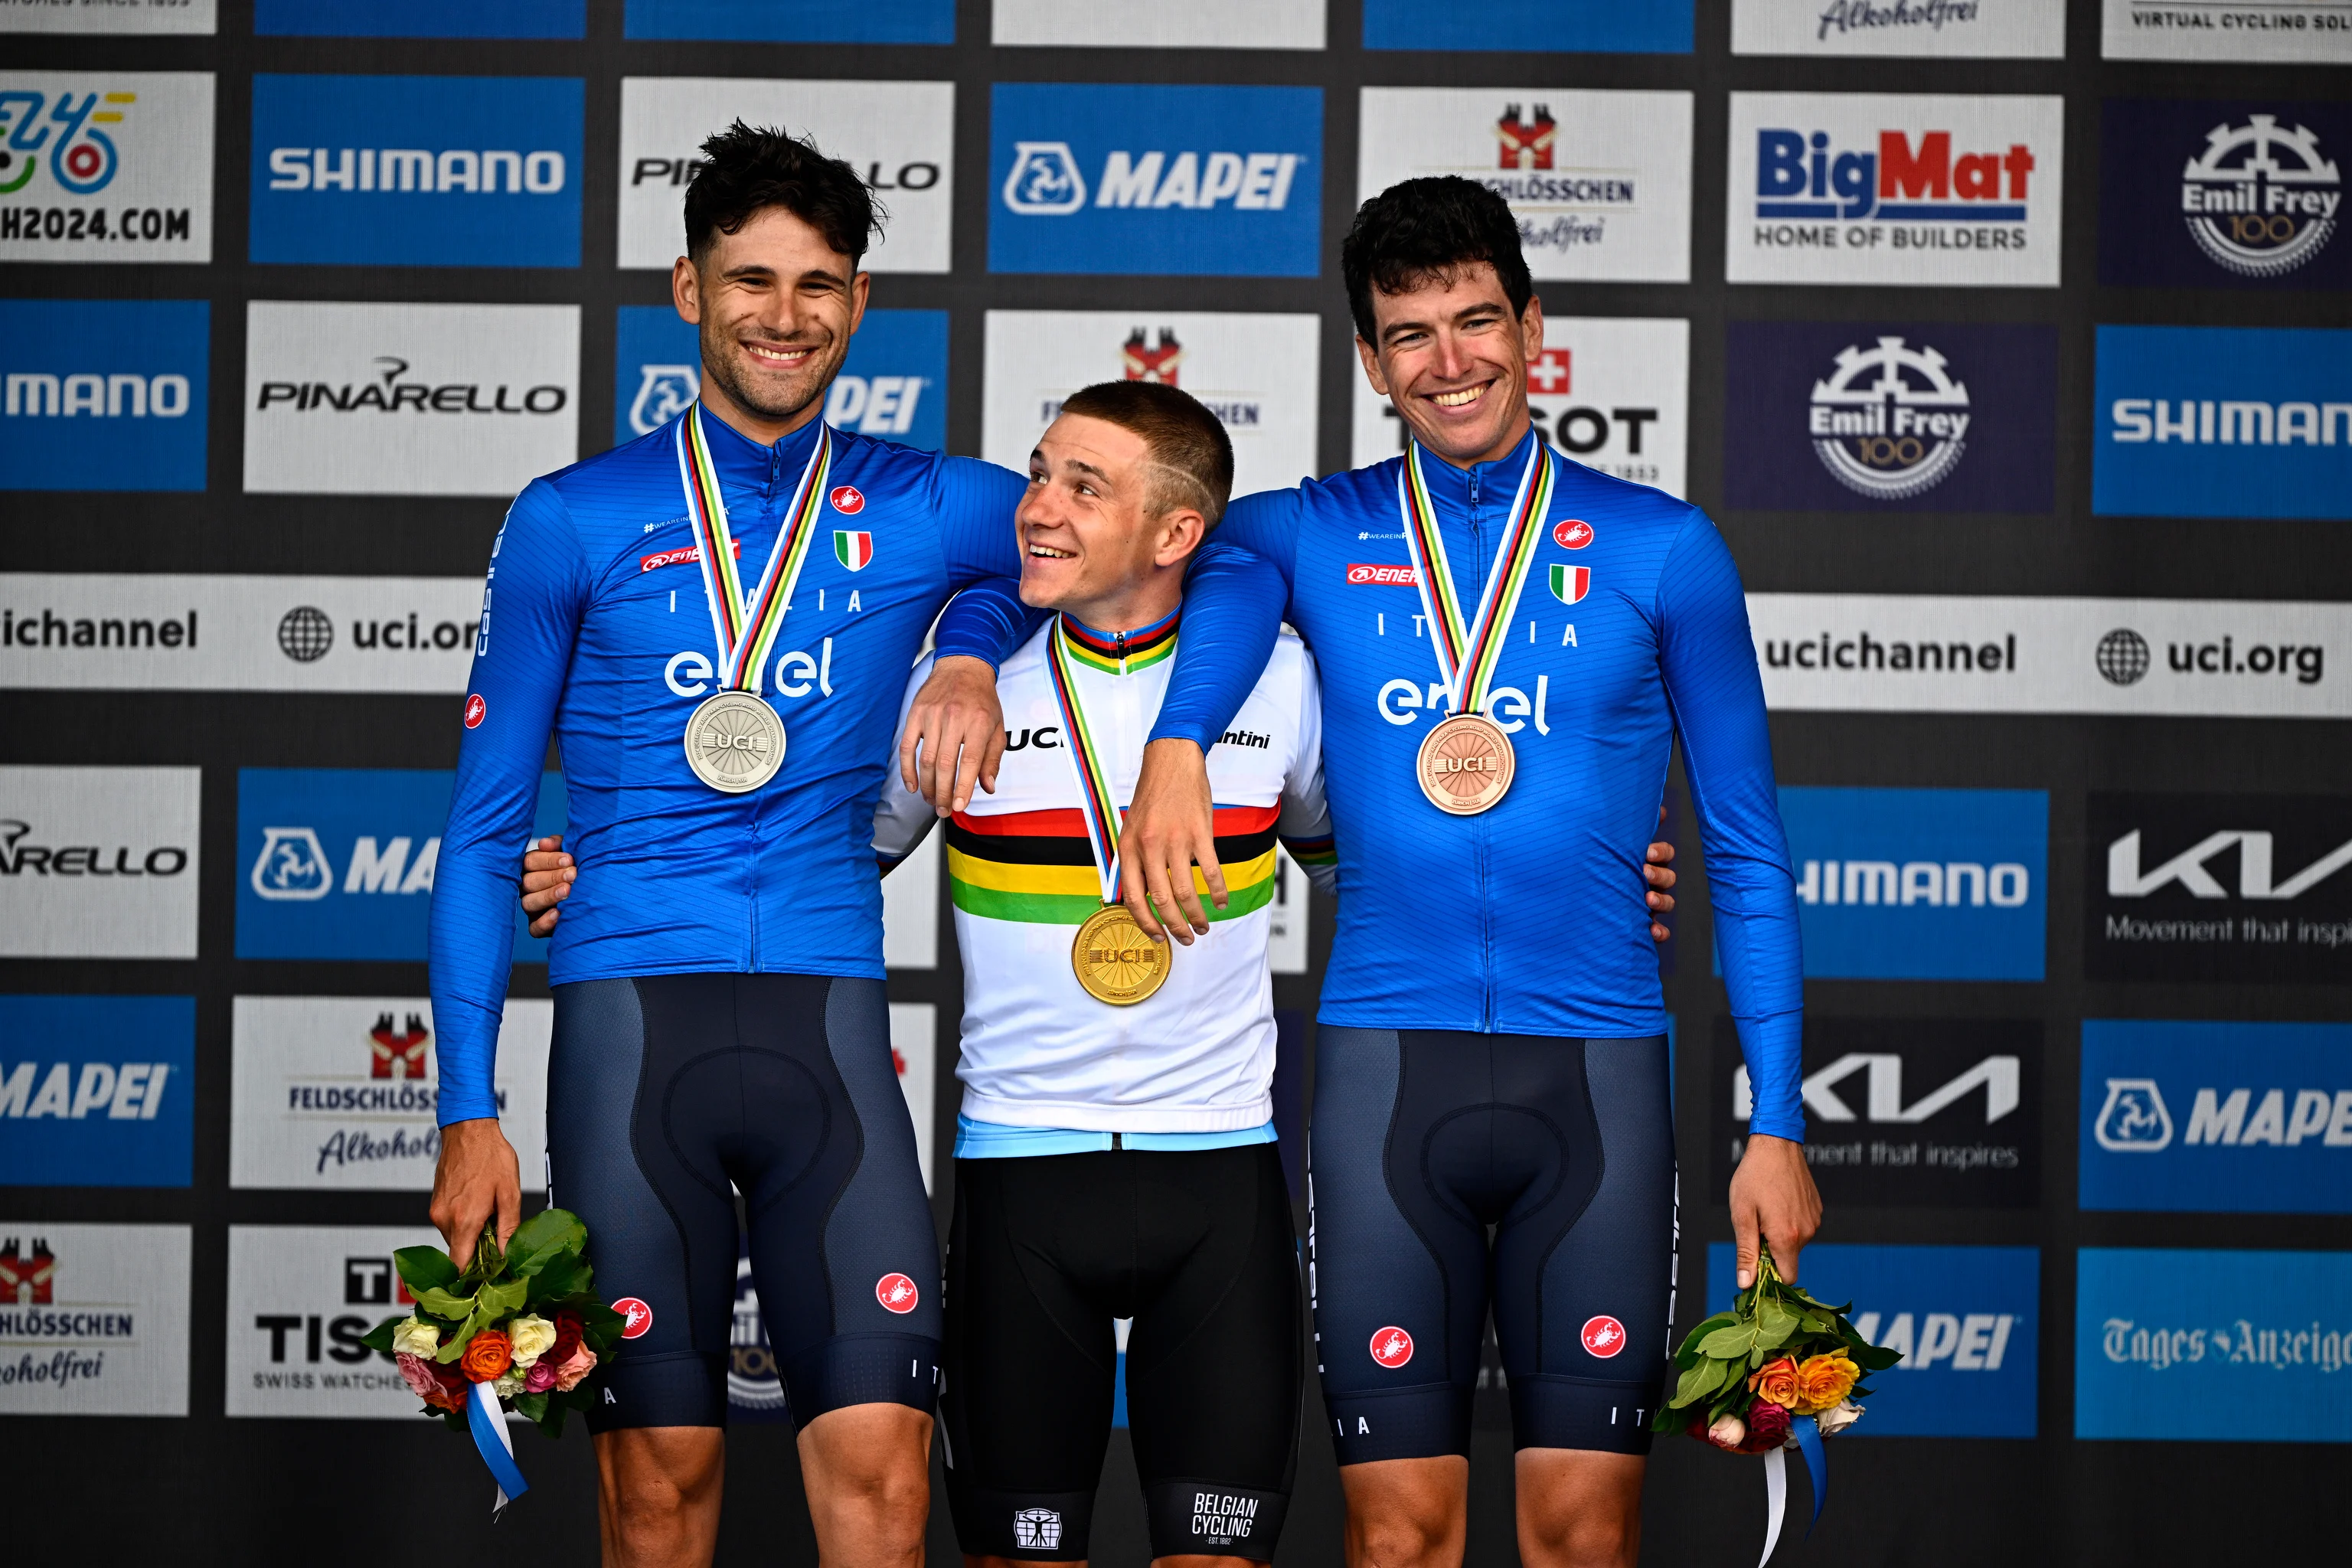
x,y
1947,884
393,169
113,396
2228,422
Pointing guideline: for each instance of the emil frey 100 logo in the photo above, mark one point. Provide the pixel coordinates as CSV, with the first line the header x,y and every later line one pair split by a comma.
x,y
2260,200
1890,422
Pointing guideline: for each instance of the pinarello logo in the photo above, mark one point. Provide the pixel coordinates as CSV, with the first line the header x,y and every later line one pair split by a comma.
x,y
848,500
1605,1336
1385,576
640,1316
1391,1347
1571,533
474,711
894,1291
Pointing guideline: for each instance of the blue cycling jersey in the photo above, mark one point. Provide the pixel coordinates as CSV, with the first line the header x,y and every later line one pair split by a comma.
x,y
595,628
1531,918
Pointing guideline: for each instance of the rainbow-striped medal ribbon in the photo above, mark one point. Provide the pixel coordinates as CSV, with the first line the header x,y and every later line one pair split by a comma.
x,y
734,741
1465,763
1114,961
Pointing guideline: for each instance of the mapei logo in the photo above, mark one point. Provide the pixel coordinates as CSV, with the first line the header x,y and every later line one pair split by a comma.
x,y
293,866
892,383
28,1277
2134,1120
1046,181
1890,421
95,1090
2260,200
1810,174
664,392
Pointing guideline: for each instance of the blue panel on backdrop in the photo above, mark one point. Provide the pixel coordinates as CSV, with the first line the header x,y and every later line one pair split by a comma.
x,y
2247,1347
894,384
339,862
104,395
418,171
420,18
1528,26
1893,416
2220,1118
1967,1320
2246,194
2236,422
1920,884
1221,180
793,21
97,1092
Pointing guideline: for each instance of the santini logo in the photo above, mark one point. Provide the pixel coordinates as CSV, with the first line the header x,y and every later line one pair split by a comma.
x,y
1045,179
2134,1120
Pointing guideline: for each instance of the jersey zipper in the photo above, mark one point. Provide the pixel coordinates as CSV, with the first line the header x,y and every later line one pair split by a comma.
x,y
1481,841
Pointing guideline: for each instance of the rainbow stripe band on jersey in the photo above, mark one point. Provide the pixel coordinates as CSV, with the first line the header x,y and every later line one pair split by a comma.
x,y
1037,866
747,629
1123,653
1103,814
1467,655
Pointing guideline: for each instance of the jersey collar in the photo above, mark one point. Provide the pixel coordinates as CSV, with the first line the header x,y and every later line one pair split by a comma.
x,y
1121,653
1492,484
770,472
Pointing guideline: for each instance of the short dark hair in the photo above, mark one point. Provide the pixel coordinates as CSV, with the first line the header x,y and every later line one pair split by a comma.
x,y
1191,455
1421,230
745,168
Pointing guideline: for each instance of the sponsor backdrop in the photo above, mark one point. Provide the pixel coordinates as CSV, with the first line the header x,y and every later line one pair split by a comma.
x,y
2006,341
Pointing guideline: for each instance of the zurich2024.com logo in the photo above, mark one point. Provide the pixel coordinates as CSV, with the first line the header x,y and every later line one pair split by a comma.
x,y
68,136
1890,421
2260,200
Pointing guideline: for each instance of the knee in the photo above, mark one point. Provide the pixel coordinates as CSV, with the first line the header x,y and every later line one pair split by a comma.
x,y
647,1504
1591,1538
1405,1536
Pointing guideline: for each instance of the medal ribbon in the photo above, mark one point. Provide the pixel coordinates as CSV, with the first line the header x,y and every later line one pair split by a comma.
x,y
1466,656
1102,812
747,628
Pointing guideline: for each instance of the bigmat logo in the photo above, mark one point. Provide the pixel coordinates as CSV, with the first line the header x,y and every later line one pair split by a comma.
x,y
2232,888
2305,32
105,166
1897,416
417,171
1138,24
1601,26
103,396
131,632
1905,1112
93,1319
97,1092
1945,29
898,135
419,19
2253,1347
1966,1319
894,384
1612,393
1877,188
2246,194
98,862
47,16
1951,654
474,400
301,1299
1256,372
339,862
1920,884
2223,422
342,1092
901,22
2216,1118
1221,181
1599,181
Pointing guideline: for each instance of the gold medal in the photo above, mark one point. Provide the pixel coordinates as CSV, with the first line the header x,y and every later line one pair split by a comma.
x,y
734,743
1115,961
1465,764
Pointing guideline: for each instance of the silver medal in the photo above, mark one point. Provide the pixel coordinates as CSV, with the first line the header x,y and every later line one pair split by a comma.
x,y
734,743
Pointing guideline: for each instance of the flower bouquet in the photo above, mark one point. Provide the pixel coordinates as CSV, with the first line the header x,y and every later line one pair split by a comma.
x,y
1747,1376
518,1327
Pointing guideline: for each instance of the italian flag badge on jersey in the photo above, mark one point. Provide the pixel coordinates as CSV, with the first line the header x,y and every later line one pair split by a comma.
x,y
852,548
1568,583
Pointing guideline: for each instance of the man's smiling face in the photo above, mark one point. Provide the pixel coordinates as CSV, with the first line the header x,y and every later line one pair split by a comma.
x,y
1453,358
776,306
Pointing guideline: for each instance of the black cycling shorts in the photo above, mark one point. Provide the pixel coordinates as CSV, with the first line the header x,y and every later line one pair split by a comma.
x,y
1451,1172
1198,1248
669,1094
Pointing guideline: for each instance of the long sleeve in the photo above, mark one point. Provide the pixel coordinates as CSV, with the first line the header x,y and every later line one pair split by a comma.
x,y
1708,659
1304,826
531,608
901,818
987,619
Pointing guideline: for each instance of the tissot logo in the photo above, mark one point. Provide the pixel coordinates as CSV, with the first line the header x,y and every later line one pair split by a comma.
x,y
2245,195
1914,1112
2231,887
300,1299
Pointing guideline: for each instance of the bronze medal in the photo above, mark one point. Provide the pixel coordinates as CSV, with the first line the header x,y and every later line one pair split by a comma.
x,y
1465,764
1115,962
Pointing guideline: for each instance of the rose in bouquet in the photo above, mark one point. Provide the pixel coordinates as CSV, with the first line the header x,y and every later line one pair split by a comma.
x,y
521,1319
1745,1375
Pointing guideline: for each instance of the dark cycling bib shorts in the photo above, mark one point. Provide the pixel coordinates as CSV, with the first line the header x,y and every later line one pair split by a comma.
x,y
668,1095
1198,1248
1426,1143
